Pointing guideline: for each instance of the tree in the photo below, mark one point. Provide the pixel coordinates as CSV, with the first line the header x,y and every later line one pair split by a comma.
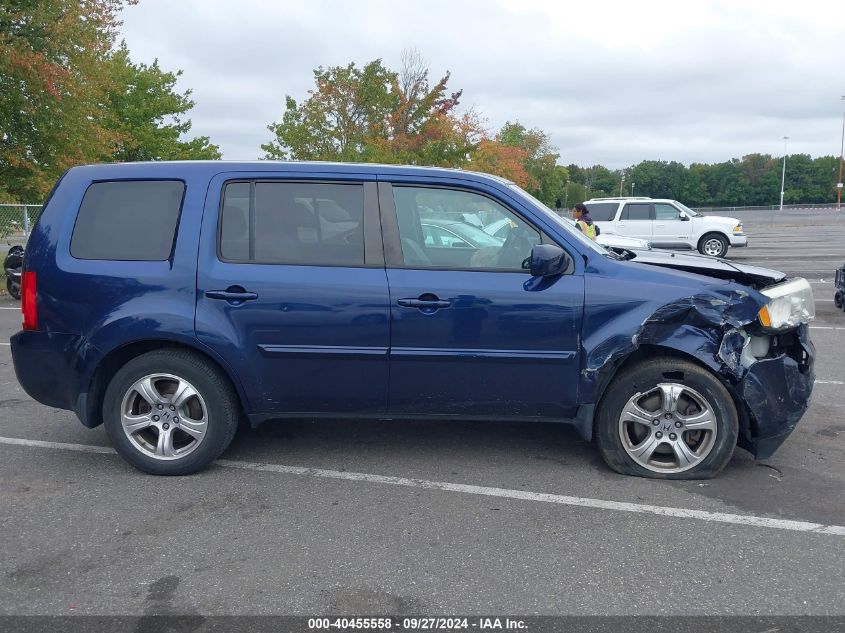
x,y
147,114
66,97
51,93
546,178
494,157
348,107
373,114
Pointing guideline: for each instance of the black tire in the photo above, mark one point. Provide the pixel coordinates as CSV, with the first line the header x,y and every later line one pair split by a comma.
x,y
643,378
837,300
712,238
219,399
13,288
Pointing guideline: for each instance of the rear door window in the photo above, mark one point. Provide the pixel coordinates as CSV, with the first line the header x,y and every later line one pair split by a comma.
x,y
128,220
317,224
636,211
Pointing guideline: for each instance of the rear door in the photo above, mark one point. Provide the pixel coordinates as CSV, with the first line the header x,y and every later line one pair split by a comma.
x,y
636,219
292,291
475,335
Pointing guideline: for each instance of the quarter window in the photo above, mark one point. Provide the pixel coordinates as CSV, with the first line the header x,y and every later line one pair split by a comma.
x,y
448,228
637,211
293,223
128,220
602,211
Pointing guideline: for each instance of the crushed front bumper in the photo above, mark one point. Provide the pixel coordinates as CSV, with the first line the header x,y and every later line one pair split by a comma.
x,y
776,391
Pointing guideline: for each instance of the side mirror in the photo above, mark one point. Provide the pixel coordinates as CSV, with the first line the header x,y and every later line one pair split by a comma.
x,y
683,217
548,260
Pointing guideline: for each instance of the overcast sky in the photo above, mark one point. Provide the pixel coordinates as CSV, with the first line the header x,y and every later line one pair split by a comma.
x,y
612,82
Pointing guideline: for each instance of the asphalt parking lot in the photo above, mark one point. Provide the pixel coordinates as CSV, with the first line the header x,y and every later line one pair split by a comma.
x,y
310,517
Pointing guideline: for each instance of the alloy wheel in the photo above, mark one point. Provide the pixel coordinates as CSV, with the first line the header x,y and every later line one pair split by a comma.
x,y
669,429
164,416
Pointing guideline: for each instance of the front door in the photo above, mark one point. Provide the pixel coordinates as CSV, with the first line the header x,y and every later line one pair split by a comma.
x,y
668,228
292,292
473,334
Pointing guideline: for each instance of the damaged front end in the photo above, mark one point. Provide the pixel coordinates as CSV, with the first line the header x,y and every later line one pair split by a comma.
x,y
751,335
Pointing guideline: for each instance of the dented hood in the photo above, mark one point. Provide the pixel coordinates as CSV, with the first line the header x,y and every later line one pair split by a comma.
x,y
711,266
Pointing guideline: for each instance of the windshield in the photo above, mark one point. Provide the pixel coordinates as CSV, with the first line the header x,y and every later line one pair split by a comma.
x,y
566,226
687,210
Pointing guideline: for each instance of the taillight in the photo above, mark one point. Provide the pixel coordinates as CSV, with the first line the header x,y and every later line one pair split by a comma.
x,y
30,313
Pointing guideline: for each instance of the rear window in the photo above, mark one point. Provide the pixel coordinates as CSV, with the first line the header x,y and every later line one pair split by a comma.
x,y
293,223
129,220
602,211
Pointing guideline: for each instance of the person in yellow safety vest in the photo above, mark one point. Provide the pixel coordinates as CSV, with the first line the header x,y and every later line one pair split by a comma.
x,y
584,222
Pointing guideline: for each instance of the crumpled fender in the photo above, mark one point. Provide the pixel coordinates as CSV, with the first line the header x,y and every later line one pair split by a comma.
x,y
706,321
704,324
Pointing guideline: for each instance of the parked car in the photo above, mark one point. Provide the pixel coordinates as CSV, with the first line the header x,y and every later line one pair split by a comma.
x,y
618,243
170,300
667,224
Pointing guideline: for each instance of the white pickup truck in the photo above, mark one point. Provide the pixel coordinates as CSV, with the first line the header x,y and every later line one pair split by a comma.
x,y
667,224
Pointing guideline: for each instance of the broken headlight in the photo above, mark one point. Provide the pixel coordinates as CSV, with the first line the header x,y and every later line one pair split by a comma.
x,y
791,303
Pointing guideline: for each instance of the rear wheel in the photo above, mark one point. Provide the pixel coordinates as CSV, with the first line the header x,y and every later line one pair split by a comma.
x,y
169,412
667,418
714,245
838,300
13,288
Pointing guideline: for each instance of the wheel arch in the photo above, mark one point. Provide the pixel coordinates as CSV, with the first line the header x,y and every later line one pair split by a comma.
x,y
717,232
650,352
90,404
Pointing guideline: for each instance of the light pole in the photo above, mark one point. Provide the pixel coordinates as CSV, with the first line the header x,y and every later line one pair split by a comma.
x,y
632,188
783,175
622,186
841,151
566,196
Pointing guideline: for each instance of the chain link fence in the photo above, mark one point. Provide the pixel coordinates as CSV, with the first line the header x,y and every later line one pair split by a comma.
x,y
16,222
770,207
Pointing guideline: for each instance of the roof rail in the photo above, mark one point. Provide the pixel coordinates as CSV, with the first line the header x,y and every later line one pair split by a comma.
x,y
621,198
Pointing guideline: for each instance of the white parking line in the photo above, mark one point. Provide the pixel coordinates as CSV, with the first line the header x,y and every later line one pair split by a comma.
x,y
826,327
505,493
829,382
5,308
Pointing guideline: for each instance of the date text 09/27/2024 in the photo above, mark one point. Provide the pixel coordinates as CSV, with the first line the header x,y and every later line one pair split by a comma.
x,y
417,623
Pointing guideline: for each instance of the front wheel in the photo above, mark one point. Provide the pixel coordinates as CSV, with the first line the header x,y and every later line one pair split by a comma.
x,y
714,245
170,412
667,418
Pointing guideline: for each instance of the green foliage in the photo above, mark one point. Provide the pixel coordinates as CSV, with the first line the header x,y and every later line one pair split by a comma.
x,y
66,97
147,114
373,114
546,179
753,180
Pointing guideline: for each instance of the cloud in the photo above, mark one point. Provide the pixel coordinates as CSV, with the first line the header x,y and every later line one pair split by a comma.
x,y
614,83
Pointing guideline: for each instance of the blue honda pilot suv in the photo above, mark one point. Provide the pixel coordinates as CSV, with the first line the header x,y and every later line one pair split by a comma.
x,y
170,300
